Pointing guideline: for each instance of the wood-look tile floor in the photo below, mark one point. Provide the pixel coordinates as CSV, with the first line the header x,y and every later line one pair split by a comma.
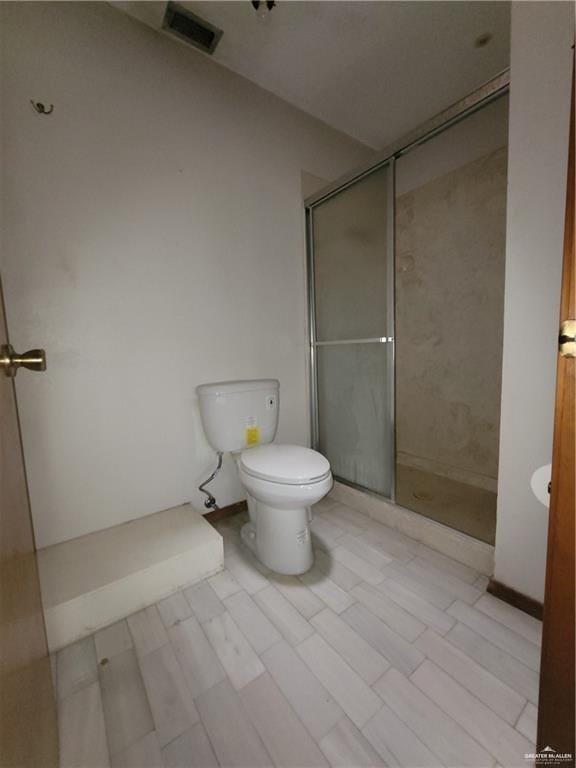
x,y
386,653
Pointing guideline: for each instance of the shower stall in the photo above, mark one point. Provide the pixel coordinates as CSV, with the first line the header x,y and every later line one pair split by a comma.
x,y
406,282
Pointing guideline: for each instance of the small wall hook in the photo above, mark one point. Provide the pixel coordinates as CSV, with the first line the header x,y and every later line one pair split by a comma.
x,y
41,109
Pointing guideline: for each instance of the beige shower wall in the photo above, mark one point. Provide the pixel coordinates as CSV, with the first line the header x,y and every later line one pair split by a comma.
x,y
449,304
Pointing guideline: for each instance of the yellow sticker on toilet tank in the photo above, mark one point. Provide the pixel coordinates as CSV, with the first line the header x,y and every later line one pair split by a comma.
x,y
252,435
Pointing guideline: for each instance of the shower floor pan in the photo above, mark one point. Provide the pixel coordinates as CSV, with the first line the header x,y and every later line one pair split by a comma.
x,y
461,506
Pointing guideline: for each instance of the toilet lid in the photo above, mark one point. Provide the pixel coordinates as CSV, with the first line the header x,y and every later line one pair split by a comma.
x,y
290,464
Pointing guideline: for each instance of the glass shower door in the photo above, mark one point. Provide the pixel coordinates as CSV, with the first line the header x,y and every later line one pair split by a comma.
x,y
450,259
352,329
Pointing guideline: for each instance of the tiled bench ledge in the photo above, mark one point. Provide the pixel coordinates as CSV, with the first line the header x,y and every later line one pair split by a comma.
x,y
92,581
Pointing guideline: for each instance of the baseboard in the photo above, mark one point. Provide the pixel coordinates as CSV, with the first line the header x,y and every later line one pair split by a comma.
x,y
517,599
224,512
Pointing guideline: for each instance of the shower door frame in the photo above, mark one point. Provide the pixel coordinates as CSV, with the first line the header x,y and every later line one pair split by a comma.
x,y
492,90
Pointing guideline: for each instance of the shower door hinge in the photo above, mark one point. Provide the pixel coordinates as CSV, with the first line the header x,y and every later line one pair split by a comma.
x,y
567,340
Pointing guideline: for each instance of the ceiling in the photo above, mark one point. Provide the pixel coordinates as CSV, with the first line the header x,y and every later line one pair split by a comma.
x,y
374,70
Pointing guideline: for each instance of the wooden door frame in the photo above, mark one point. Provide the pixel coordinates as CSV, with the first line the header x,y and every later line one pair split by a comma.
x,y
556,701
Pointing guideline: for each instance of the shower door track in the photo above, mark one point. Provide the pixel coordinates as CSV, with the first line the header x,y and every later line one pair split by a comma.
x,y
375,340
486,94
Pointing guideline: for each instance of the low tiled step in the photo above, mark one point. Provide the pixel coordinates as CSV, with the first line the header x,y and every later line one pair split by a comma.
x,y
94,580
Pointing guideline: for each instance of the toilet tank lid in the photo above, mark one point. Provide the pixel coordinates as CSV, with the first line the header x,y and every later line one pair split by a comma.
x,y
285,463
229,387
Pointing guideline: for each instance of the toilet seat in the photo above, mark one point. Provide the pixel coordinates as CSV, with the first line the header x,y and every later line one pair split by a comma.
x,y
286,464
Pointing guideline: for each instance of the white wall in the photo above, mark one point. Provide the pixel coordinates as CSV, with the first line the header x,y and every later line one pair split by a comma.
x,y
541,66
153,240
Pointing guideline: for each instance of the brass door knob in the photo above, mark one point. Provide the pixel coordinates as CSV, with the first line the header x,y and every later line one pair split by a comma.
x,y
567,340
10,361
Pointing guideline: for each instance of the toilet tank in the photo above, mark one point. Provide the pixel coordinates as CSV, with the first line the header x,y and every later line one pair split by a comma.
x,y
239,414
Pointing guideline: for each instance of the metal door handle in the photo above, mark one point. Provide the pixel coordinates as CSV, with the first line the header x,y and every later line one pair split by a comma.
x,y
567,340
10,361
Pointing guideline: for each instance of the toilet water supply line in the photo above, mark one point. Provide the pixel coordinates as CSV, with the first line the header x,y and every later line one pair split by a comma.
x,y
210,502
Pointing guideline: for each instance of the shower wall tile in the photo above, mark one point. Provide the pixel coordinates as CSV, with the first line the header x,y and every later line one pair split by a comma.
x,y
449,331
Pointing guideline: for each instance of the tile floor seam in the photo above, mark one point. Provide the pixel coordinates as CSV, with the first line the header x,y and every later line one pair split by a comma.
x,y
345,663
319,634
207,732
486,747
520,715
497,650
295,713
450,673
423,661
241,703
410,725
320,684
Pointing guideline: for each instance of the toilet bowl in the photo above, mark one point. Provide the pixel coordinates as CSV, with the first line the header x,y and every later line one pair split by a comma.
x,y
282,482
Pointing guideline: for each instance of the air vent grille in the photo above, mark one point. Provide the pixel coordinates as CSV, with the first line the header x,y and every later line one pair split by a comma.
x,y
191,28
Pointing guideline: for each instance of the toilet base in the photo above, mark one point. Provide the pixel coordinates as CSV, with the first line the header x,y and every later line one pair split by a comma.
x,y
280,538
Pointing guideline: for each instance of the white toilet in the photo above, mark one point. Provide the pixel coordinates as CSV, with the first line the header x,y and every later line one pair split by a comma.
x,y
281,481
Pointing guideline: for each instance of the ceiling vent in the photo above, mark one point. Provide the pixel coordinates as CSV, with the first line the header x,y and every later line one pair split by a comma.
x,y
184,24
